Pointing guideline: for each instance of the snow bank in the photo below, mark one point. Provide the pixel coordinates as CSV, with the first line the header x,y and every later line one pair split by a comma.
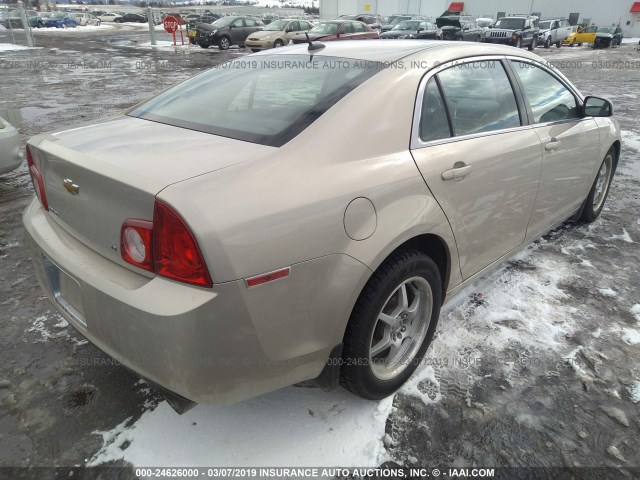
x,y
291,427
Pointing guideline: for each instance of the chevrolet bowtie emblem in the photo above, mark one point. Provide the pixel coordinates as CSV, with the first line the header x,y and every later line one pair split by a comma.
x,y
71,187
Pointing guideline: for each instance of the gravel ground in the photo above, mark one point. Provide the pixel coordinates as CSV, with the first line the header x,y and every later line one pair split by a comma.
x,y
536,365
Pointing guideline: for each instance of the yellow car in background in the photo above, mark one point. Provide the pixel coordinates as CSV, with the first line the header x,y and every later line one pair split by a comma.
x,y
580,36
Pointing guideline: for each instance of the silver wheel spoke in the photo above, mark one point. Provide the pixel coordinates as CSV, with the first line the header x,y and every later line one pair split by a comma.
x,y
382,344
414,308
404,299
394,352
386,319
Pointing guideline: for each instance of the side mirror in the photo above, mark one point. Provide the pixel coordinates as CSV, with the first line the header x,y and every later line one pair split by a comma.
x,y
597,107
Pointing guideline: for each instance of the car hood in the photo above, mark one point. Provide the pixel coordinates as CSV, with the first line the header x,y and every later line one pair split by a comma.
x,y
448,22
398,33
206,27
604,35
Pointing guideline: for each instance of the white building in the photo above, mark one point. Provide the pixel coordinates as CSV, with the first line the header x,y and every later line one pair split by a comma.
x,y
599,12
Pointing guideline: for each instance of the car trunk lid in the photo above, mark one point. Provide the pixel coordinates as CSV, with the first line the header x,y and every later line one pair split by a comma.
x,y
97,176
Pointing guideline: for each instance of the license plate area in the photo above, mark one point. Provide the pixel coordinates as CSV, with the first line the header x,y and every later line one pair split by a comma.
x,y
66,291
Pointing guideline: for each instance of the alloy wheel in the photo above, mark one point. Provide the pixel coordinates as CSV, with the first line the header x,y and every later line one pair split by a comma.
x,y
400,329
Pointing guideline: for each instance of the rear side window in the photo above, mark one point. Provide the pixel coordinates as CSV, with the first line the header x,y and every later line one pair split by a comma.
x,y
346,28
358,28
549,99
433,121
267,101
479,98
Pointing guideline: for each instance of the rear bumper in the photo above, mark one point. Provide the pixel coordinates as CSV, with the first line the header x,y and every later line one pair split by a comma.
x,y
214,346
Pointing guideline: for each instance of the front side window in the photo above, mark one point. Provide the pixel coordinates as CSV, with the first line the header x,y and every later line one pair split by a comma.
x,y
479,97
250,104
550,100
238,23
358,28
249,22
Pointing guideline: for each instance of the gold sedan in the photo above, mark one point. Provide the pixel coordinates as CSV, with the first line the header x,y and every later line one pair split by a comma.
x,y
277,34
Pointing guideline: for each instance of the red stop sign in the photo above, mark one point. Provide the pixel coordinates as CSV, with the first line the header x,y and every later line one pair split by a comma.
x,y
170,24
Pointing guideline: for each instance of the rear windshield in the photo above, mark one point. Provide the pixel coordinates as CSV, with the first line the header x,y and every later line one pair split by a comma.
x,y
266,99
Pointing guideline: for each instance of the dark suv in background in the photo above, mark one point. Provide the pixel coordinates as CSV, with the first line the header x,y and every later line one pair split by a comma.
x,y
515,30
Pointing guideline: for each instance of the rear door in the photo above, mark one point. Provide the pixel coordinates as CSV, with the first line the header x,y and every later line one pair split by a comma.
x,y
570,144
251,26
238,31
478,157
346,31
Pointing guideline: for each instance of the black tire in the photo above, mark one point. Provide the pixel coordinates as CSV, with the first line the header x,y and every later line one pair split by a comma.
x,y
579,44
40,24
254,50
533,44
203,45
559,45
519,42
478,39
572,44
609,43
547,43
224,43
117,20
593,205
357,371
278,43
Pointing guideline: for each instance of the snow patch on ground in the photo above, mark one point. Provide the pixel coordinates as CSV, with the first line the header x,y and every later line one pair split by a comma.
x,y
630,336
608,292
291,427
632,40
9,47
77,29
635,310
634,392
624,236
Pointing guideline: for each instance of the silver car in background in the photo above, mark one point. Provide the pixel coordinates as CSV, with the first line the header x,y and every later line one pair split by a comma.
x,y
10,157
305,236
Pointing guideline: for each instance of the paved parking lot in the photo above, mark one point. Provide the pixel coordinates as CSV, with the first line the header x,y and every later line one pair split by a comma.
x,y
536,365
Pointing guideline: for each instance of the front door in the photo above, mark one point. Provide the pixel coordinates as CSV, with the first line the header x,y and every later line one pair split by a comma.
x,y
570,144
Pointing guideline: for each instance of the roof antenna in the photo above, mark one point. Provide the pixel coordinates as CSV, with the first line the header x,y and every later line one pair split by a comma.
x,y
313,47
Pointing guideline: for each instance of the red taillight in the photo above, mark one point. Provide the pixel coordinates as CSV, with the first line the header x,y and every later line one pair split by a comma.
x,y
38,182
165,246
135,243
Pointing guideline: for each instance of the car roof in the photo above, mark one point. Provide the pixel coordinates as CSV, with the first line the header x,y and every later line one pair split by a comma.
x,y
386,51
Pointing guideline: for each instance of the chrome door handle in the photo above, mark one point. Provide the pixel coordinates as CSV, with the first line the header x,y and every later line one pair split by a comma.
x,y
457,173
552,145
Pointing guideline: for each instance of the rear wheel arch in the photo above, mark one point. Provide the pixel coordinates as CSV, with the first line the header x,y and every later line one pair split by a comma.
x,y
431,245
